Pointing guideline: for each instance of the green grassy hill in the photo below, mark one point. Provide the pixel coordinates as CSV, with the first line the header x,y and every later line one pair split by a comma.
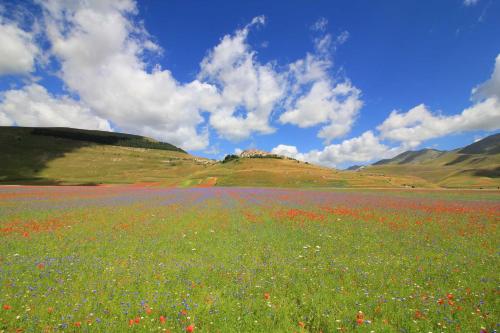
x,y
474,166
72,156
292,173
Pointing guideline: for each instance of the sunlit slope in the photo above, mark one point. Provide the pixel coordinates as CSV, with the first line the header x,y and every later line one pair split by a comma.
x,y
476,165
272,172
112,164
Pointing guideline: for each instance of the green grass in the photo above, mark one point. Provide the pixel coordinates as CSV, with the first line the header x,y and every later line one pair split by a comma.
x,y
103,256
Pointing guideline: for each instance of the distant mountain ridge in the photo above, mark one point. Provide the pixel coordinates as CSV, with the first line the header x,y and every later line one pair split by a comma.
x,y
489,145
475,165
412,157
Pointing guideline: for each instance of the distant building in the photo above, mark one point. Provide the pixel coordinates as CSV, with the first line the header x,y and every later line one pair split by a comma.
x,y
255,153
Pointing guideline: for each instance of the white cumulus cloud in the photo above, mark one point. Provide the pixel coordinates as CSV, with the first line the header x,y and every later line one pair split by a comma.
x,y
490,88
315,98
366,147
249,90
18,49
289,151
33,105
420,124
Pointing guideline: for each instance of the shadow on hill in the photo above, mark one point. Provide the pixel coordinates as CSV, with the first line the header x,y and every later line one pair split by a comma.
x,y
472,159
104,138
25,154
414,156
491,173
460,158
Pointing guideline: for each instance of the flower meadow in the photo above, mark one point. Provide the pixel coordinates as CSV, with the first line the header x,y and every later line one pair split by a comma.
x,y
153,259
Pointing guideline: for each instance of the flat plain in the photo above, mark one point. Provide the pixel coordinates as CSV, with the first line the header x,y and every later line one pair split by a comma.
x,y
119,258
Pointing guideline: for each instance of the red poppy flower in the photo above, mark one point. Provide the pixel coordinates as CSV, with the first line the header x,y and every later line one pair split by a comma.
x,y
7,307
419,315
190,328
131,322
40,265
360,317
449,296
77,324
267,295
162,320
137,320
301,324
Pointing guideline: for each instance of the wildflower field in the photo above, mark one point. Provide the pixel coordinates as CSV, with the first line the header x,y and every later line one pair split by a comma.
x,y
152,259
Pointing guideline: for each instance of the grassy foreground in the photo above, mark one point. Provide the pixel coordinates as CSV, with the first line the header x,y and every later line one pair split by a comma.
x,y
136,259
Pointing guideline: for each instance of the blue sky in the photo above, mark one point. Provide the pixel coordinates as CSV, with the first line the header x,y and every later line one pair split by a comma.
x,y
332,82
